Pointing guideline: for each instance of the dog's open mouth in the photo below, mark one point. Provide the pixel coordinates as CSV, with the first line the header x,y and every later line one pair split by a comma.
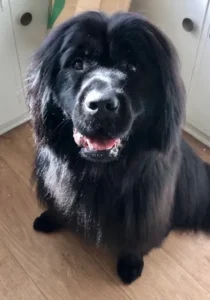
x,y
96,144
95,148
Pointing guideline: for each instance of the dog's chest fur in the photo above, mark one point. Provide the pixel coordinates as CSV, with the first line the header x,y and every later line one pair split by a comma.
x,y
105,202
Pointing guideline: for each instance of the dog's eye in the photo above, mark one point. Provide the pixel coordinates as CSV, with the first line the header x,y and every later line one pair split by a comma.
x,y
78,64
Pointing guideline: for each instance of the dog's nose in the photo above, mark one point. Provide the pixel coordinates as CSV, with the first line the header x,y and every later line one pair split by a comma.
x,y
102,105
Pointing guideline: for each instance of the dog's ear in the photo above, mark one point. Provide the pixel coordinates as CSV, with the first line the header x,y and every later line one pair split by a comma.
x,y
41,96
40,82
169,115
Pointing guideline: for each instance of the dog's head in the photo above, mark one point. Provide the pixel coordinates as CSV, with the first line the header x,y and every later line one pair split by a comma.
x,y
104,81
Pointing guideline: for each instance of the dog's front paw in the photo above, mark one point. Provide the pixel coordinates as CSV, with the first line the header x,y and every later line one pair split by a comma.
x,y
46,223
129,268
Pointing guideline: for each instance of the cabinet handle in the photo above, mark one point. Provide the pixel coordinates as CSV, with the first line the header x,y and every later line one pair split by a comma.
x,y
188,24
26,19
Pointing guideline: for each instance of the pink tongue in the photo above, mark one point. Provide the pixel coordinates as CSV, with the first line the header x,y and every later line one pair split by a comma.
x,y
92,143
100,145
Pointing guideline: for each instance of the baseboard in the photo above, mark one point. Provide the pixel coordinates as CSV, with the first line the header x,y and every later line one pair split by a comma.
x,y
14,123
197,134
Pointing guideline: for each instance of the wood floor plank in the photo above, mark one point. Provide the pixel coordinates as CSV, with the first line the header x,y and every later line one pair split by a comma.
x,y
192,253
14,281
202,150
17,149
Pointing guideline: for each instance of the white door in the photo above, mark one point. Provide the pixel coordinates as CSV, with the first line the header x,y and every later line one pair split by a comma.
x,y
29,37
11,97
17,43
198,104
169,15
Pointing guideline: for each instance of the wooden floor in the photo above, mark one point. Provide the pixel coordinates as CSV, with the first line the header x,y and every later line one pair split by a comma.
x,y
60,266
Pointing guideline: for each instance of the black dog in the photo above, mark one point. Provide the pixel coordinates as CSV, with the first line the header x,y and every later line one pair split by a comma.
x,y
107,104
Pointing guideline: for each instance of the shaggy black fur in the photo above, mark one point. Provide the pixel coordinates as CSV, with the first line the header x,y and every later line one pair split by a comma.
x,y
156,182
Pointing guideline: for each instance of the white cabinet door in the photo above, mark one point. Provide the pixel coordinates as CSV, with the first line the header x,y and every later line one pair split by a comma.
x,y
12,104
198,104
28,38
17,44
168,15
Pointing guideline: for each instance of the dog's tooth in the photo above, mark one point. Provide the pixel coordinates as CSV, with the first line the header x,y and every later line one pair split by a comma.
x,y
114,151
